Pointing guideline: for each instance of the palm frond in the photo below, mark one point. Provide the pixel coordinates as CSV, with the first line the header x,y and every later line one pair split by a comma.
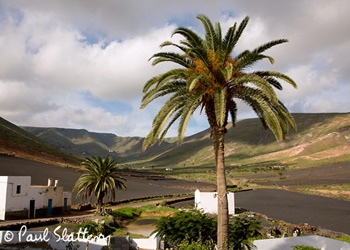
x,y
218,36
194,41
269,45
220,106
239,32
168,43
258,82
269,74
187,111
210,34
162,117
170,57
227,43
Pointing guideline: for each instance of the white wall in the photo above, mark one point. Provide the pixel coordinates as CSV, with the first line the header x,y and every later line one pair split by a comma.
x,y
208,202
56,194
41,195
37,193
150,243
17,202
3,192
11,201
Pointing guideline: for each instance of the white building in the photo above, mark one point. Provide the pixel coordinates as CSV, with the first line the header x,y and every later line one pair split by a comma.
x,y
208,202
20,200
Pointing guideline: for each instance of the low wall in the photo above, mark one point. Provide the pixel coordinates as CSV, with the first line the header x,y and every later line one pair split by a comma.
x,y
208,202
39,213
314,240
15,215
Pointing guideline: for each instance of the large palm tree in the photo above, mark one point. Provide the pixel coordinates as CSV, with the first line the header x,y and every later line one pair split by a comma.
x,y
100,178
212,79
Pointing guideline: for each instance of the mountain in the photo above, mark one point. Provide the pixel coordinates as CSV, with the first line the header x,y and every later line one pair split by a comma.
x,y
20,143
321,139
83,143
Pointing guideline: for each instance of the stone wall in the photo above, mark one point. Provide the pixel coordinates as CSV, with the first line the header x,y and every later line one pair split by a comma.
x,y
14,215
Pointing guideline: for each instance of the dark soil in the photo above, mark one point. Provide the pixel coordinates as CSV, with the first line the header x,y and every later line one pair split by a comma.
x,y
137,187
291,207
325,175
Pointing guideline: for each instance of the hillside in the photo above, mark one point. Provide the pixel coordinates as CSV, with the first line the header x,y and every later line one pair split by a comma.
x,y
83,143
319,137
17,142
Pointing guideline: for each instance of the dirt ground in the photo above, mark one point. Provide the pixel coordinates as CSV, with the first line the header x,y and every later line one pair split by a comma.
x,y
316,176
137,187
288,206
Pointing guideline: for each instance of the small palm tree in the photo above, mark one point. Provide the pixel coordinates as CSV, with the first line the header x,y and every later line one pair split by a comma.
x,y
210,78
100,178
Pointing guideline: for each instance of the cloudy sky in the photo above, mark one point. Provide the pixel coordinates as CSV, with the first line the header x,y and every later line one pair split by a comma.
x,y
83,63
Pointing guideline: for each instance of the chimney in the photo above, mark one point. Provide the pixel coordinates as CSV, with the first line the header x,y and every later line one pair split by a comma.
x,y
49,182
56,183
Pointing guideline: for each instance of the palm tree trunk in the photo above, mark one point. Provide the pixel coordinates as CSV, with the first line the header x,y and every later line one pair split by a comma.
x,y
99,204
223,219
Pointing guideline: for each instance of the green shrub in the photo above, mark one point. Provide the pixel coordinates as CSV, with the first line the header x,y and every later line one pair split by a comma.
x,y
303,247
126,213
186,227
242,231
345,238
186,245
157,209
91,227
96,229
164,203
192,229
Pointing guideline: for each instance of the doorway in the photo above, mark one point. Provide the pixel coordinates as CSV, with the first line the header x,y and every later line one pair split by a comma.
x,y
31,209
49,207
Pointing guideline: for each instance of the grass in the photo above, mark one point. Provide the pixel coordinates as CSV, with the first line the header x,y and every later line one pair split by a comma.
x,y
15,141
345,238
338,191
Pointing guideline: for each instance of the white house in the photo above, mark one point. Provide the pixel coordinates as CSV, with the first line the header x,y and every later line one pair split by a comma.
x,y
208,202
20,200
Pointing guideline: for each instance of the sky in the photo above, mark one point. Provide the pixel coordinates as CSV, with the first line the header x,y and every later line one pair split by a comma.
x,y
82,64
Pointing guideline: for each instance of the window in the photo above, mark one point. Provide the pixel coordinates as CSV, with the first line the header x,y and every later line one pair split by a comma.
x,y
18,189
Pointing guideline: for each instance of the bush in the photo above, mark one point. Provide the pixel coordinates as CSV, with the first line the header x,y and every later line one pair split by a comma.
x,y
96,229
92,227
188,230
242,232
186,227
185,245
126,213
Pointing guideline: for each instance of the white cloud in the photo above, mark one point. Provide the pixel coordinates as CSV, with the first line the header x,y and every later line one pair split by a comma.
x,y
54,51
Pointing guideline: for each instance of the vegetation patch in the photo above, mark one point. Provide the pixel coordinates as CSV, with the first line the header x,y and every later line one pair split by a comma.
x,y
126,213
191,229
304,247
339,191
